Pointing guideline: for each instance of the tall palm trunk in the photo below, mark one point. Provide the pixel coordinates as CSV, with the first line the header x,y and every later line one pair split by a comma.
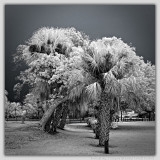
x,y
64,117
104,121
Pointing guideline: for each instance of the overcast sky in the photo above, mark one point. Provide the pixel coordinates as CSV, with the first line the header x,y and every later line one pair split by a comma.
x,y
134,24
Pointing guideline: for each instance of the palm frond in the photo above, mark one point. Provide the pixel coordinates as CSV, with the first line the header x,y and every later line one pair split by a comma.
x,y
89,62
76,92
94,90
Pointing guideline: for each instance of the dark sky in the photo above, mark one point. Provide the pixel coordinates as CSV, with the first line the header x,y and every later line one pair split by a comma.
x,y
133,23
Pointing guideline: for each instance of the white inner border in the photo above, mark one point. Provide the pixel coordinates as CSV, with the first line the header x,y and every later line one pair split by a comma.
x,y
2,71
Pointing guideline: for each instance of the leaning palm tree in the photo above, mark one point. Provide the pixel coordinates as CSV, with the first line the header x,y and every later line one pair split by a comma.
x,y
49,55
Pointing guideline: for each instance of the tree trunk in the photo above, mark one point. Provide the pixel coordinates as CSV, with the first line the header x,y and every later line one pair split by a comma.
x,y
64,117
121,116
15,115
57,117
49,112
48,127
104,125
97,129
46,106
104,121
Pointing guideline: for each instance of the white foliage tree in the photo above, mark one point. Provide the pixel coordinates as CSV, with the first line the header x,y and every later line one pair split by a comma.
x,y
52,56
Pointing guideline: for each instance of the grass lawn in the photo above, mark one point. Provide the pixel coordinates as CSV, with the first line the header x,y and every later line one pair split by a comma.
x,y
131,138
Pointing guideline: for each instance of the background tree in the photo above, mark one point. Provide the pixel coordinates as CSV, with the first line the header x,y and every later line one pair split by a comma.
x,y
6,105
12,109
15,110
30,105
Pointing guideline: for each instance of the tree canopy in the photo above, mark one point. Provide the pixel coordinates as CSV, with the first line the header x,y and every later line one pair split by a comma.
x,y
112,66
65,62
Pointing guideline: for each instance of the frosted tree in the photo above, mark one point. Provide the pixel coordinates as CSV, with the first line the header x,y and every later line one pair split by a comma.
x,y
11,108
112,70
30,104
52,56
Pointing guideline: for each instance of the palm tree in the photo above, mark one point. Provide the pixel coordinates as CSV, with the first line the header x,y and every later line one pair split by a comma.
x,y
109,67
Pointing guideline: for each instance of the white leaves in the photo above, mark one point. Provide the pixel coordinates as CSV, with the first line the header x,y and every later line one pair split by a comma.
x,y
44,74
54,78
75,77
111,84
135,91
109,77
99,52
94,90
89,62
14,109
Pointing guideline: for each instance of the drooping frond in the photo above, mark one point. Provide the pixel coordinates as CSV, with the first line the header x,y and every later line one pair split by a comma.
x,y
94,90
111,84
76,92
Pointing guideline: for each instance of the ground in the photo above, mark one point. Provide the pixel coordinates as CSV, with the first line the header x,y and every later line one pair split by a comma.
x,y
131,138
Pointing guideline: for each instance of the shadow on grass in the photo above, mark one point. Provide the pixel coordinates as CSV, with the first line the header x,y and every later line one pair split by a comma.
x,y
111,152
90,137
133,128
95,145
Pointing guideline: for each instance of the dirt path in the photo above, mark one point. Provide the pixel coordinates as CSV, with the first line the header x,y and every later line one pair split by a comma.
x,y
131,138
